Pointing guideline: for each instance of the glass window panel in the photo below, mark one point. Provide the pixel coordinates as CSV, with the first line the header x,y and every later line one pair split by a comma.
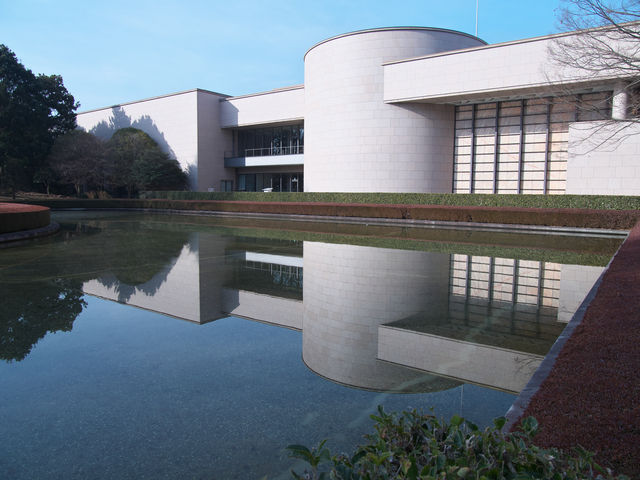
x,y
277,141
268,140
259,142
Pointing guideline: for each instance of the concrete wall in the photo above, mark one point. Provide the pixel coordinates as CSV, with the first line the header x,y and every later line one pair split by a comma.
x,y
522,67
604,159
212,143
356,143
277,106
173,121
483,72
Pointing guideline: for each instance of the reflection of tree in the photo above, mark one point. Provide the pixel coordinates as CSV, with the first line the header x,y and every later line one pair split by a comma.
x,y
31,310
123,256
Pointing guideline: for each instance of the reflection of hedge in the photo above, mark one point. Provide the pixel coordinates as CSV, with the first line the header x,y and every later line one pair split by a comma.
x,y
606,202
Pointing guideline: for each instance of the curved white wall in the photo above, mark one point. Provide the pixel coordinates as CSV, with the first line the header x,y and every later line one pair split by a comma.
x,y
349,291
357,143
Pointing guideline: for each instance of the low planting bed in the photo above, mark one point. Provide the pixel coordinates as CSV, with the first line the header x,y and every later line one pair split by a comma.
x,y
592,395
18,218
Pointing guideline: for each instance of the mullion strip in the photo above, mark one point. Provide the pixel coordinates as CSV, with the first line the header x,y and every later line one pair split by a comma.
x,y
473,149
521,148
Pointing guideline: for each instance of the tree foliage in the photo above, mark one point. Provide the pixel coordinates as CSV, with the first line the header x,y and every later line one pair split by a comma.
x,y
34,111
136,161
79,158
156,170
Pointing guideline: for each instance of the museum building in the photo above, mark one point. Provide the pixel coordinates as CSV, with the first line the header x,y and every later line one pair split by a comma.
x,y
403,109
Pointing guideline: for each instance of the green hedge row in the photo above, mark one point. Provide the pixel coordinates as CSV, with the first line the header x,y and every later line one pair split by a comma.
x,y
600,202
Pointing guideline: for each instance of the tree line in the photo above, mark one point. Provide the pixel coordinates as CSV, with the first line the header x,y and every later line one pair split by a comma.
x,y
41,146
130,160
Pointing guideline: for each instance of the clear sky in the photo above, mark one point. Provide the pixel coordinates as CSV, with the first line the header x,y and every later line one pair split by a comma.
x,y
124,50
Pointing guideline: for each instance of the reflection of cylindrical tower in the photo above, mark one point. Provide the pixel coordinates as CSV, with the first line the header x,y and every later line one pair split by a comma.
x,y
349,291
354,142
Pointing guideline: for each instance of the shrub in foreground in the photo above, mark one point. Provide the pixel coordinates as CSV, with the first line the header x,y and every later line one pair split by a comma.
x,y
414,445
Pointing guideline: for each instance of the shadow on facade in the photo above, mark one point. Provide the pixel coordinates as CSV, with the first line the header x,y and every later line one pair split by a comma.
x,y
119,119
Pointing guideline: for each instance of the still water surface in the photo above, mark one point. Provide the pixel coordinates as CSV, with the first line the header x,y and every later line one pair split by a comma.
x,y
186,347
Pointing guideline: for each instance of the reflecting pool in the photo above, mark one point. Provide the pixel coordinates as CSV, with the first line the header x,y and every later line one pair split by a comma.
x,y
155,346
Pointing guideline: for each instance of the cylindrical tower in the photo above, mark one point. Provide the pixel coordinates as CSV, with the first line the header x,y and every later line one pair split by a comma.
x,y
354,142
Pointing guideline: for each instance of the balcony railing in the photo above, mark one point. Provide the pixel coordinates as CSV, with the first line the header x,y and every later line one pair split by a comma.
x,y
265,152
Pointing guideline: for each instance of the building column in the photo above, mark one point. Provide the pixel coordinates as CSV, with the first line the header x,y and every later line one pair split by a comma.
x,y
620,101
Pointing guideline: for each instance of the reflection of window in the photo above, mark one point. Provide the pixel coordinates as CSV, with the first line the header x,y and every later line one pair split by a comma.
x,y
226,186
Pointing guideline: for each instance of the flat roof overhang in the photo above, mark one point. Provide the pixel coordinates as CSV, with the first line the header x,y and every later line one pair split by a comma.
x,y
265,161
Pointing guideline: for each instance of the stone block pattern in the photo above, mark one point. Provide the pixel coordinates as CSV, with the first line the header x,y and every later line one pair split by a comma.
x,y
357,143
349,291
604,159
273,107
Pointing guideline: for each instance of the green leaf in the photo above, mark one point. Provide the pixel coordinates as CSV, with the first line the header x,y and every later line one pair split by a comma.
x,y
297,448
412,472
358,456
499,422
530,426
456,420
463,472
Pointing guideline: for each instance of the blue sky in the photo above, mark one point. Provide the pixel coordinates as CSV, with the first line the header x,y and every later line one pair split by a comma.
x,y
119,51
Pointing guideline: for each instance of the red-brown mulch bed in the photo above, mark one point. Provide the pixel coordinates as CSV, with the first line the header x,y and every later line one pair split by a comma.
x,y
17,218
592,395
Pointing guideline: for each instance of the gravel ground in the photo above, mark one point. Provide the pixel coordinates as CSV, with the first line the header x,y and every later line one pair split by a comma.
x,y
592,395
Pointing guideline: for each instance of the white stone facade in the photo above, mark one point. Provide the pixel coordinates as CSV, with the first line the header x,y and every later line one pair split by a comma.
x,y
379,112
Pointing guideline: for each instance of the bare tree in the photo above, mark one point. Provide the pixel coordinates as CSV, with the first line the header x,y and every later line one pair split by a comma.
x,y
601,51
79,158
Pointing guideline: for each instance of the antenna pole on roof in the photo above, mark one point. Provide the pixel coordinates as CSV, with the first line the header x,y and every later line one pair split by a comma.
x,y
477,8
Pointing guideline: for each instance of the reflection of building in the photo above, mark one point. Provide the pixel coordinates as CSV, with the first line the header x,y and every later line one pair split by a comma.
x,y
399,110
349,292
372,318
216,276
503,317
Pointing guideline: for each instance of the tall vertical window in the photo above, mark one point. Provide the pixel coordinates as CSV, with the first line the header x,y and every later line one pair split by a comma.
x,y
519,146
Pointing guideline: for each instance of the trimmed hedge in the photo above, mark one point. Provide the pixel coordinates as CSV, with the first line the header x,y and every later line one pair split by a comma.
x,y
550,217
598,202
